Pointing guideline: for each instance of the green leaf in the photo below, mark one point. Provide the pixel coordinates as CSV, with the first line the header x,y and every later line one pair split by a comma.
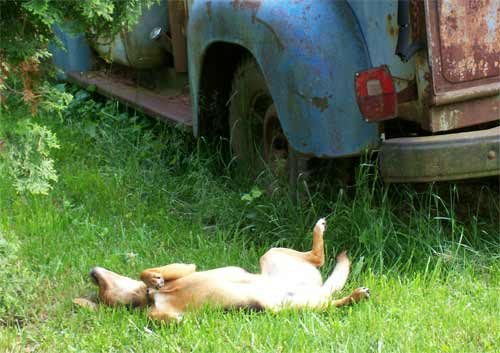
x,y
256,192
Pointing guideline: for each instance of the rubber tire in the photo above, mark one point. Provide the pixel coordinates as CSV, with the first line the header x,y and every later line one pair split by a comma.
x,y
249,100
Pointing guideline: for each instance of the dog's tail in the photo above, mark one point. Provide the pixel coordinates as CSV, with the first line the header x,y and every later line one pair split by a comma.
x,y
338,278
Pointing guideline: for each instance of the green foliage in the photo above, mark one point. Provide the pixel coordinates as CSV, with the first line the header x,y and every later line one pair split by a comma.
x,y
14,291
29,159
254,194
25,32
25,25
56,99
28,144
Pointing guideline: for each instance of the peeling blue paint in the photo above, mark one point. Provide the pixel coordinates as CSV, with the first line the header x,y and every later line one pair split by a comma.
x,y
308,52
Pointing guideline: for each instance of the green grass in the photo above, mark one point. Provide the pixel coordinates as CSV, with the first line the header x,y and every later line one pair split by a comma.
x,y
134,194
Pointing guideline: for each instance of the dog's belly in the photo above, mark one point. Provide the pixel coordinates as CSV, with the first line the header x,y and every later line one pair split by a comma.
x,y
295,273
277,292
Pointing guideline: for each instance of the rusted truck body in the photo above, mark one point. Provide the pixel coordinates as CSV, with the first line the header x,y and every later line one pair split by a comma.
x,y
418,81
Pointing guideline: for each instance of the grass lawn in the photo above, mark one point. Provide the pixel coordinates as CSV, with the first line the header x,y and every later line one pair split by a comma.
x,y
134,194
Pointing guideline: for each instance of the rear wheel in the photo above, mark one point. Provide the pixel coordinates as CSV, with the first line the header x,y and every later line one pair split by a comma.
x,y
257,139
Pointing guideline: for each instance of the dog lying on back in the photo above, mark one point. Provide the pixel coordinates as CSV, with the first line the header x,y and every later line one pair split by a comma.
x,y
288,279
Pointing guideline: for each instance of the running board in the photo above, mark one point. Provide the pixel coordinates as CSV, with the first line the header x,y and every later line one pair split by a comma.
x,y
171,108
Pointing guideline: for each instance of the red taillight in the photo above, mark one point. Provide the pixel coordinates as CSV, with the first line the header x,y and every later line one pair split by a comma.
x,y
376,94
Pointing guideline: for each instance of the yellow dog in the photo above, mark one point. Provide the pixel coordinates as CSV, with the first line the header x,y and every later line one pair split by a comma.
x,y
288,278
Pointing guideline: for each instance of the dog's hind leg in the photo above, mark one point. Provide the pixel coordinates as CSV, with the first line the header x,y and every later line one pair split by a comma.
x,y
356,296
317,254
335,283
338,278
279,259
324,300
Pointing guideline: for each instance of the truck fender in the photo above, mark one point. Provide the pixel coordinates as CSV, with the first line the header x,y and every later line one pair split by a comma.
x,y
308,52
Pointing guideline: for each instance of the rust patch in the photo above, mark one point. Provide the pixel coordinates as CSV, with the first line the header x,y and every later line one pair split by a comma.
x,y
468,57
173,108
469,33
320,102
391,29
252,5
417,20
208,4
463,114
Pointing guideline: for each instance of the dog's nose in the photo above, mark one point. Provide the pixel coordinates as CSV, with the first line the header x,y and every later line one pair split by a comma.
x,y
94,276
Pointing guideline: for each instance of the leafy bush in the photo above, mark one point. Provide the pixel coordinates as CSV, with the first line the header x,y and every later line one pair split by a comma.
x,y
26,28
28,144
26,31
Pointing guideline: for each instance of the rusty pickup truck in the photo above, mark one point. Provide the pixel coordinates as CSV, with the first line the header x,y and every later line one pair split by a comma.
x,y
416,80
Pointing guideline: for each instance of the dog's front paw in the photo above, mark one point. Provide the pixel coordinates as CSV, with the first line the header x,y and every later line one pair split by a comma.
x,y
86,303
153,279
360,294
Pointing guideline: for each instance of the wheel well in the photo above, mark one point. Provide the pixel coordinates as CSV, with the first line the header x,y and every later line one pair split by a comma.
x,y
219,64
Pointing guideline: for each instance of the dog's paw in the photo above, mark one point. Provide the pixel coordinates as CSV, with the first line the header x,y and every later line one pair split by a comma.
x,y
342,256
360,294
152,279
86,303
321,225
